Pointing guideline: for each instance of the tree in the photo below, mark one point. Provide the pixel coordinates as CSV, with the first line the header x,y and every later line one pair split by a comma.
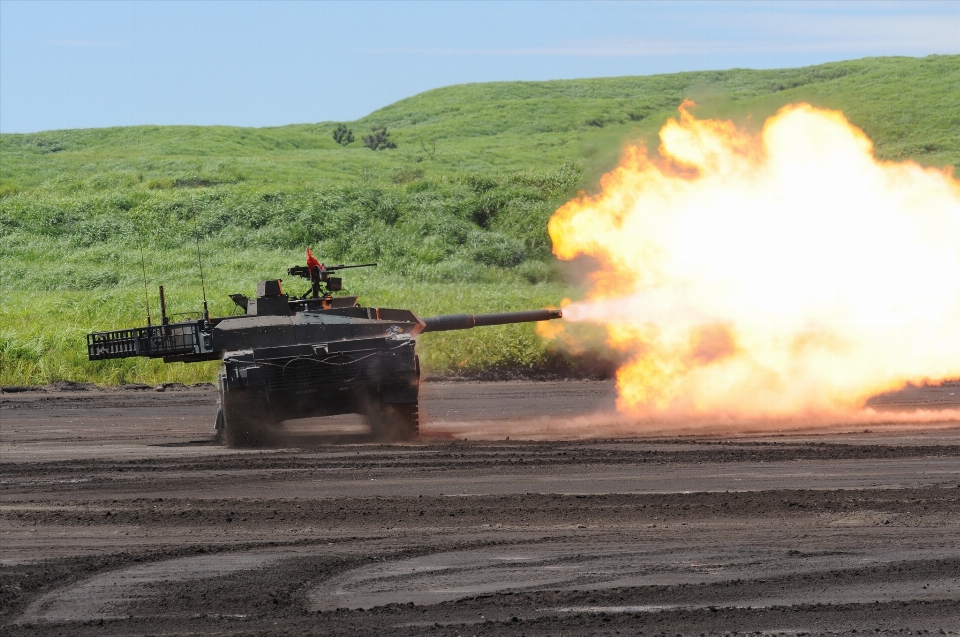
x,y
432,151
379,139
342,135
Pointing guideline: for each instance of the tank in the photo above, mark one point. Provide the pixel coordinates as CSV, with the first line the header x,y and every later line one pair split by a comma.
x,y
287,357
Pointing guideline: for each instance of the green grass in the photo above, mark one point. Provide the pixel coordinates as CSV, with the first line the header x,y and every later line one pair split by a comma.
x,y
456,215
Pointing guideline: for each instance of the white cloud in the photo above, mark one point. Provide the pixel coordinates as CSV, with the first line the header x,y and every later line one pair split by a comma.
x,y
757,33
924,32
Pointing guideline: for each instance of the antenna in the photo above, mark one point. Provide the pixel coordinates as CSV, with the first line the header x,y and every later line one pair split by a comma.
x,y
203,287
163,308
143,268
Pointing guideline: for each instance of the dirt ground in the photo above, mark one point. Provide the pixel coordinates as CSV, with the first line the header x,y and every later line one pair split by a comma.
x,y
526,509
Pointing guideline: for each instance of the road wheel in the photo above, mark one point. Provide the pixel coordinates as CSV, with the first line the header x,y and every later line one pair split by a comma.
x,y
248,420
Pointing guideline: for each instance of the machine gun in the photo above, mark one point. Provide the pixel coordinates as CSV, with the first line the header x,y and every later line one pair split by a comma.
x,y
320,274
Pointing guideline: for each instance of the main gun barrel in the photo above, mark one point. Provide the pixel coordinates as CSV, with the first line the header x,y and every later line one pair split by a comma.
x,y
446,322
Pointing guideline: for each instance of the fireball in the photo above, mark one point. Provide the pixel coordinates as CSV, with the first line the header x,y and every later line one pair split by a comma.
x,y
773,274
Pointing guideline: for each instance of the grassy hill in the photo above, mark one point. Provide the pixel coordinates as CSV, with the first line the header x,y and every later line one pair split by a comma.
x,y
456,214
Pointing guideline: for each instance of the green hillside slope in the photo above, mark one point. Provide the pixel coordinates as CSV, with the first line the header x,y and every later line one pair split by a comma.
x,y
456,214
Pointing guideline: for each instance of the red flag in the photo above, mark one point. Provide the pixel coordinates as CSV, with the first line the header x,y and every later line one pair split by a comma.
x,y
312,262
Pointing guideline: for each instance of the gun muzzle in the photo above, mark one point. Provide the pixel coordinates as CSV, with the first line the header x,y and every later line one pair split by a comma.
x,y
446,322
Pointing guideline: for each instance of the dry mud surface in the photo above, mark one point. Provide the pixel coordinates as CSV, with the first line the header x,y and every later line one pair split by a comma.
x,y
121,516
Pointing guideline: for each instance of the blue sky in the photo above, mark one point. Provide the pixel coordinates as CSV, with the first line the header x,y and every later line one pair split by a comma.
x,y
91,64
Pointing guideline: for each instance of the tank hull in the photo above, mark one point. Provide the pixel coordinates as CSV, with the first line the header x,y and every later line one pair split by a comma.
x,y
377,377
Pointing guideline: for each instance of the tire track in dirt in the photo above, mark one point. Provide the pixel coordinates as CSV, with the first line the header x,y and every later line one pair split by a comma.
x,y
128,521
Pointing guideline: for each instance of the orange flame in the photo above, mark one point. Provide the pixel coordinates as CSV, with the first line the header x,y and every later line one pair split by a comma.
x,y
769,275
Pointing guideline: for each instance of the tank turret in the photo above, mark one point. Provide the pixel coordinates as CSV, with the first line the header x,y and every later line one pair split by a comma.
x,y
286,357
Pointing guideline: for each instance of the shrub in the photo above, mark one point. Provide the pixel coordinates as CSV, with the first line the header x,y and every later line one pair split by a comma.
x,y
342,135
378,139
